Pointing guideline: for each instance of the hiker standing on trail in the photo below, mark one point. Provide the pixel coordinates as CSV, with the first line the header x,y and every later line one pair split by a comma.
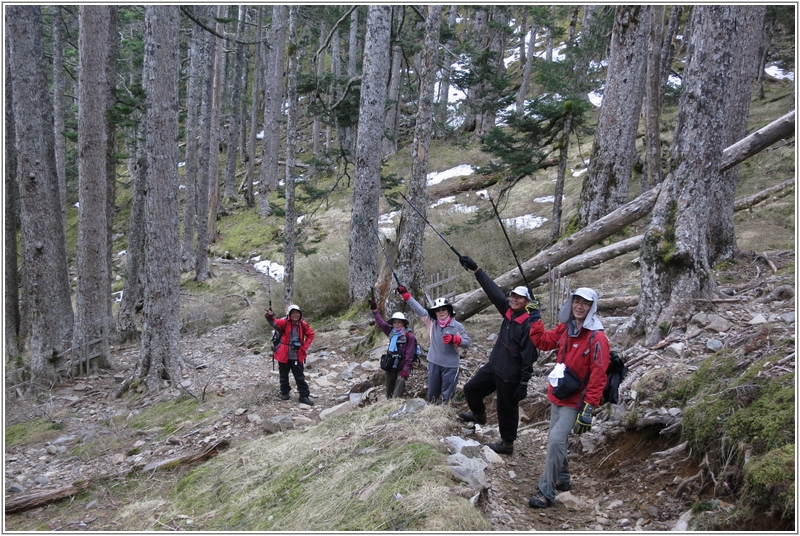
x,y
402,344
296,337
581,347
510,364
447,336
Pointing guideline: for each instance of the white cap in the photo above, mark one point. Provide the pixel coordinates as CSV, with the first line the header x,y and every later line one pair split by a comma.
x,y
586,293
400,316
522,291
293,307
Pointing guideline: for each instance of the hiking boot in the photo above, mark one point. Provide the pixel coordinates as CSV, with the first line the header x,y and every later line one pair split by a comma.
x,y
284,396
468,416
306,400
502,447
561,486
539,501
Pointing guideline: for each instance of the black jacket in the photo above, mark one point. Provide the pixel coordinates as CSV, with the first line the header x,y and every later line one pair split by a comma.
x,y
513,354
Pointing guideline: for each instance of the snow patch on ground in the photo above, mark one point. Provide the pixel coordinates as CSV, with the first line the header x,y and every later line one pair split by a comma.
x,y
458,171
525,223
272,269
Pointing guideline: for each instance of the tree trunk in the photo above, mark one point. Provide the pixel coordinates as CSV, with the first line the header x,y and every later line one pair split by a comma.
x,y
160,351
444,76
91,260
721,230
11,321
410,262
497,45
347,133
558,194
236,109
668,51
290,220
757,141
111,162
675,257
216,114
528,65
316,141
607,182
193,96
251,161
366,187
133,290
392,99
44,253
202,270
273,98
472,115
472,302
59,90
652,108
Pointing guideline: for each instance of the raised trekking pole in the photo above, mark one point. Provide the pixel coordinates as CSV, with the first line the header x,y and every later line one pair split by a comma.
x,y
431,225
269,294
514,253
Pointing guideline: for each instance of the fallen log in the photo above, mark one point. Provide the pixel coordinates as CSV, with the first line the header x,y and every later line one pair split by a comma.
x,y
757,141
470,303
43,498
749,201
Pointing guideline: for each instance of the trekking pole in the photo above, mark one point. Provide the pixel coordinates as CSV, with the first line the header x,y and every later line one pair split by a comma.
x,y
514,253
269,294
431,225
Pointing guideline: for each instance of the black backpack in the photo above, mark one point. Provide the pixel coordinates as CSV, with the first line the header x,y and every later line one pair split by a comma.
x,y
276,339
615,373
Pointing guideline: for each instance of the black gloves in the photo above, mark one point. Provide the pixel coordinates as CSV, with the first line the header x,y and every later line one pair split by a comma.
x,y
269,315
468,263
522,392
372,305
584,421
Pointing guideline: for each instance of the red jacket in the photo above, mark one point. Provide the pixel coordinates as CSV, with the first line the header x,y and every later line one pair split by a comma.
x,y
576,354
305,333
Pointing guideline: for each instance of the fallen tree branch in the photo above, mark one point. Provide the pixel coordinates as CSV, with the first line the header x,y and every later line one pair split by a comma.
x,y
670,452
687,481
43,498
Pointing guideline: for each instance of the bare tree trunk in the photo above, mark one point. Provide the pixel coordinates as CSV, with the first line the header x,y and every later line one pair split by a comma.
x,y
444,74
44,253
766,41
111,162
193,89
548,53
558,194
11,321
216,113
236,109
668,51
526,70
395,77
652,108
201,268
497,45
412,227
160,351
92,292
472,116
366,187
721,230
614,151
133,290
251,161
675,253
59,89
291,152
316,141
347,133
273,98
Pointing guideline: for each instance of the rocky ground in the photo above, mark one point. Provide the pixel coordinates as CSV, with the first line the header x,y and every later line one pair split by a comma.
x,y
623,479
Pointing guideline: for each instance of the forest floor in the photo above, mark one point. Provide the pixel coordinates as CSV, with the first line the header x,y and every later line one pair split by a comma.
x,y
617,483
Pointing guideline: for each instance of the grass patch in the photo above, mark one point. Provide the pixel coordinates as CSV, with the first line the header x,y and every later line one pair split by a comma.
x,y
36,431
324,479
168,415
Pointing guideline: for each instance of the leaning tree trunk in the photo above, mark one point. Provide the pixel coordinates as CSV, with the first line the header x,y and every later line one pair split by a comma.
x,y
527,68
444,74
668,51
652,107
412,227
614,151
90,330
44,252
202,271
160,350
366,187
675,255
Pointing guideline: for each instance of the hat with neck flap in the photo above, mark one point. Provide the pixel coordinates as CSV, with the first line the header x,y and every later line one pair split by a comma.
x,y
591,322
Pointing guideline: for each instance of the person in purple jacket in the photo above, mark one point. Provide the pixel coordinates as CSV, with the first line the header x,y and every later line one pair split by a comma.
x,y
402,343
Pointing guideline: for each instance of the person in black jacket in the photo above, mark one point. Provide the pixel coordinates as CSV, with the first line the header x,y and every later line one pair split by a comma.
x,y
510,364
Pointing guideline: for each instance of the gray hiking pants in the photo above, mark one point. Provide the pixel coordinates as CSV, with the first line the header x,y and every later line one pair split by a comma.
x,y
556,468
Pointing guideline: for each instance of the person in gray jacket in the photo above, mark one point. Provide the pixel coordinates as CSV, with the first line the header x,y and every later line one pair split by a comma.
x,y
447,336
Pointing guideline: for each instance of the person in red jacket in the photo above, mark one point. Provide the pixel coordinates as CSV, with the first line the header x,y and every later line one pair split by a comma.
x,y
582,347
296,337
